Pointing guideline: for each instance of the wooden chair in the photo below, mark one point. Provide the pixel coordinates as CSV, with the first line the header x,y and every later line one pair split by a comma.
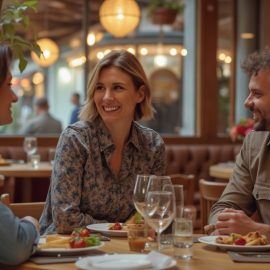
x,y
187,180
2,179
210,193
20,210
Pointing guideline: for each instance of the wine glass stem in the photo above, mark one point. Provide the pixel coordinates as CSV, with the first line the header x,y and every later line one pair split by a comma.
x,y
158,241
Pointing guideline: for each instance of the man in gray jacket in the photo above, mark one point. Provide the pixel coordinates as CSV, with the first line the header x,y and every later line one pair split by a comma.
x,y
44,122
249,188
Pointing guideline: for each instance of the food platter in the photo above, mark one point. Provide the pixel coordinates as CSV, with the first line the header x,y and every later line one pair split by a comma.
x,y
211,240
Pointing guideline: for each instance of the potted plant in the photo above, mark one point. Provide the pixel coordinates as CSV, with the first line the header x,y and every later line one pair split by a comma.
x,y
165,11
12,15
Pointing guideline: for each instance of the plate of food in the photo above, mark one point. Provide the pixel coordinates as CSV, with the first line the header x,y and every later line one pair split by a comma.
x,y
80,241
253,241
111,229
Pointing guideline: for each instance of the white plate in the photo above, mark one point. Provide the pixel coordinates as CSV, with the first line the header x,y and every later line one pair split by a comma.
x,y
118,262
65,250
104,229
211,240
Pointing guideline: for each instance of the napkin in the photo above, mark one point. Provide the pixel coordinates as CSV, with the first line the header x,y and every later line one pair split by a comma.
x,y
159,260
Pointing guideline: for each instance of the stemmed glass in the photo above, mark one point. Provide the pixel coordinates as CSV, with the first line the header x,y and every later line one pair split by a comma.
x,y
161,184
159,211
30,146
139,193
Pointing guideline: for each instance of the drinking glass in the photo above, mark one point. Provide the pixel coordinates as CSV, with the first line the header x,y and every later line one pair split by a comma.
x,y
139,193
51,155
162,183
179,200
159,211
30,146
182,236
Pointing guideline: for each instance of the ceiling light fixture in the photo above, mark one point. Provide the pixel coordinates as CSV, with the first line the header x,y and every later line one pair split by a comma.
x,y
119,17
50,52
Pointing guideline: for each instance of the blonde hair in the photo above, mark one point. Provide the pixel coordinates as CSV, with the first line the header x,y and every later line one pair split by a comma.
x,y
129,64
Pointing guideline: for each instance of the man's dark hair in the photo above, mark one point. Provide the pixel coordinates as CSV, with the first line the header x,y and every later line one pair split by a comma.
x,y
257,61
42,103
77,95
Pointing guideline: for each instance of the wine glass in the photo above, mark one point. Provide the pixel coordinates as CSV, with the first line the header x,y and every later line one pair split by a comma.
x,y
159,211
139,193
159,183
30,146
162,183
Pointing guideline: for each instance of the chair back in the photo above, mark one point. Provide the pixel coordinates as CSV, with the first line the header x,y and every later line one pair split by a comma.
x,y
210,192
187,180
2,178
33,209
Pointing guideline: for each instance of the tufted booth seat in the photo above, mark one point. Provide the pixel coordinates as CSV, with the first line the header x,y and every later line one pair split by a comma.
x,y
196,159
185,159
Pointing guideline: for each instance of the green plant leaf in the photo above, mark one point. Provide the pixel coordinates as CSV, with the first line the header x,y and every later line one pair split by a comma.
x,y
12,16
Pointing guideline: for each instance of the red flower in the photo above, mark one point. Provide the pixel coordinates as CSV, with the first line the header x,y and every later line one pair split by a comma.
x,y
239,131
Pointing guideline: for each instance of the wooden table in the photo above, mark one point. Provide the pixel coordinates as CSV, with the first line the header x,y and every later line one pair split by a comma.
x,y
26,173
221,171
204,258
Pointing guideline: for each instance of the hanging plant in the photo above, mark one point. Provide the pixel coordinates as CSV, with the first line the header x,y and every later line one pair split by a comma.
x,y
12,16
165,11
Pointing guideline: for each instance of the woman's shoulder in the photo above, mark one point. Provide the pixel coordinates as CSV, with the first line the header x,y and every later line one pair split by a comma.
x,y
80,127
146,134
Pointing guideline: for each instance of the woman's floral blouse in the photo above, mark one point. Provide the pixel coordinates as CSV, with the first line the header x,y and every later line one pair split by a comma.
x,y
84,189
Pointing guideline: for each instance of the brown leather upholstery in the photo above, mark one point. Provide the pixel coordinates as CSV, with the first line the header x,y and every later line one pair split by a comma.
x,y
196,159
181,159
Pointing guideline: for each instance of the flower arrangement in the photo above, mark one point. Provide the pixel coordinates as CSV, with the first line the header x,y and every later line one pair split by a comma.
x,y
239,131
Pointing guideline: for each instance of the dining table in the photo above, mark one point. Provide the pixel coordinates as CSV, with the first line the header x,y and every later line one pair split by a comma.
x,y
205,257
26,172
221,171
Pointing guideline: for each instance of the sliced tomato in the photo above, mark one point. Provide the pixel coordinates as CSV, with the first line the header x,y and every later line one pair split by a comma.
x,y
240,241
79,243
84,232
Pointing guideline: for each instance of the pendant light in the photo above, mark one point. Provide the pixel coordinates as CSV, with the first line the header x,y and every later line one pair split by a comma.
x,y
119,17
50,52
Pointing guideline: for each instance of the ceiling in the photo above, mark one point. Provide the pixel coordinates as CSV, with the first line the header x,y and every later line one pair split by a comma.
x,y
59,19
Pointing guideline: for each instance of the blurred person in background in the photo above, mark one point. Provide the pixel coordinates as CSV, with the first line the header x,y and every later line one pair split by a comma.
x,y
18,237
75,100
97,159
43,122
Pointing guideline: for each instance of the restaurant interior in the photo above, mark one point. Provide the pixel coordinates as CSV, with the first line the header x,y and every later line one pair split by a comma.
x,y
193,63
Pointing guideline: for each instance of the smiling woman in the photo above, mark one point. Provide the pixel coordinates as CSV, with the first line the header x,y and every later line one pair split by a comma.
x,y
17,236
7,95
98,158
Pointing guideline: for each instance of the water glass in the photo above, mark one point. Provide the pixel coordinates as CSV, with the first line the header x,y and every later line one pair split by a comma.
x,y
35,160
30,146
51,155
182,237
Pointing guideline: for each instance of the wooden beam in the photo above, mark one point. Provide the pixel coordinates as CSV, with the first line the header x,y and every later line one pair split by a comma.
x,y
208,86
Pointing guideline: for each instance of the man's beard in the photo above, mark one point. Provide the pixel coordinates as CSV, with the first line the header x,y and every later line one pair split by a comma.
x,y
262,125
